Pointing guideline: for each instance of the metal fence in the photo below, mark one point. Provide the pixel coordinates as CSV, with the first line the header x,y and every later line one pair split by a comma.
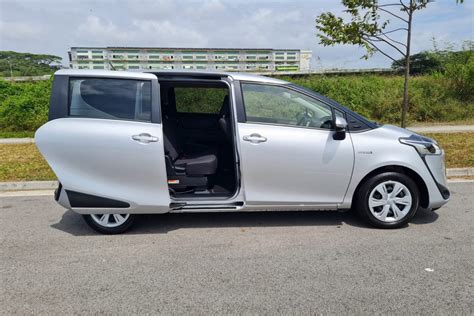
x,y
268,73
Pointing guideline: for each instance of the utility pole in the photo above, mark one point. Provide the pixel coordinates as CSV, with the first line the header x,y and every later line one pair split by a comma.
x,y
11,71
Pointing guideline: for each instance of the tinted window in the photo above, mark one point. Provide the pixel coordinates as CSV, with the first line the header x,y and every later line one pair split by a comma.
x,y
199,100
110,99
280,105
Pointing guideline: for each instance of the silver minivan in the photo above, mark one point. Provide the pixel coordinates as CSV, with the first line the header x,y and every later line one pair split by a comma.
x,y
129,143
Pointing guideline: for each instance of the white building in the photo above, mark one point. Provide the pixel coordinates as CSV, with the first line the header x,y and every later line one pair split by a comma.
x,y
154,58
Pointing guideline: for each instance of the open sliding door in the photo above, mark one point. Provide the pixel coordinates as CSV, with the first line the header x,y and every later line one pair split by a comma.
x,y
104,141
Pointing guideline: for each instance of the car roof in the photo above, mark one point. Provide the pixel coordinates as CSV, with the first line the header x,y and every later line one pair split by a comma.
x,y
168,73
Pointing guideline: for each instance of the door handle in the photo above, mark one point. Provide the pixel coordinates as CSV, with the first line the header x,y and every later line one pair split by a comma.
x,y
145,138
255,138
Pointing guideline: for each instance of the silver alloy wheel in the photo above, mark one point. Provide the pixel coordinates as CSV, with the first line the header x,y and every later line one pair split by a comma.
x,y
390,201
110,220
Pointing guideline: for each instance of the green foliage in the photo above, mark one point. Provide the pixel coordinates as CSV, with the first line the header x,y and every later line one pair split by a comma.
x,y
459,72
437,97
421,63
379,97
26,64
24,106
365,27
200,100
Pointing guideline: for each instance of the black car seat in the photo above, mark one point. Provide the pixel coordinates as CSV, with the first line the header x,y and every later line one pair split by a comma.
x,y
171,127
224,118
203,164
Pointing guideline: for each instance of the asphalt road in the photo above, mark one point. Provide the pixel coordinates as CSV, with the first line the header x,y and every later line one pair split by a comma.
x,y
287,263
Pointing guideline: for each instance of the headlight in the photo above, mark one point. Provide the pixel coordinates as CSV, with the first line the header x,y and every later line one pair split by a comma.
x,y
424,145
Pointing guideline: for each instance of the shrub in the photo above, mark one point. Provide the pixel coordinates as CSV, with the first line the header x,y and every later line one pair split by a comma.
x,y
437,97
24,106
380,97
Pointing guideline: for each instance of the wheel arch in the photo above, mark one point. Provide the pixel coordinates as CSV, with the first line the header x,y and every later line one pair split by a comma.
x,y
422,187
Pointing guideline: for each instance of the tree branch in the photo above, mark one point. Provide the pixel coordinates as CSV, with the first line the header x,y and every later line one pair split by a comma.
x,y
393,14
380,39
388,5
383,53
391,39
404,5
395,30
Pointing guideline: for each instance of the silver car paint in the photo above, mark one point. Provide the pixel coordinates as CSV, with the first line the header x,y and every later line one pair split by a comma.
x,y
305,166
381,147
99,157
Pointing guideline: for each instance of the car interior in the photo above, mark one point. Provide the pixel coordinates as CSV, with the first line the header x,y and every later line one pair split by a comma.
x,y
198,139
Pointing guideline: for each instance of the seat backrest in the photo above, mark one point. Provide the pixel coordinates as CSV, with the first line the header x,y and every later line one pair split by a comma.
x,y
170,128
224,117
170,148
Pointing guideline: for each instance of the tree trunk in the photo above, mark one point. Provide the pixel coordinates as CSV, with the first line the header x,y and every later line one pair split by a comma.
x,y
407,69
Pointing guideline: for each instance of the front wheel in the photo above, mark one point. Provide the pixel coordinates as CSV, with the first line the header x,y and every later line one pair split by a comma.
x,y
388,200
109,223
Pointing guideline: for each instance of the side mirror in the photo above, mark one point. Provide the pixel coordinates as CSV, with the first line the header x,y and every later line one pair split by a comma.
x,y
341,126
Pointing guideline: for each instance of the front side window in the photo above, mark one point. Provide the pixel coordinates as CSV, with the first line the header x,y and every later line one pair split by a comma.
x,y
280,105
117,99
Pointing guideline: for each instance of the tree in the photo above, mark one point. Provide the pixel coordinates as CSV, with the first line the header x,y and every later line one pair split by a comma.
x,y
421,63
368,28
27,64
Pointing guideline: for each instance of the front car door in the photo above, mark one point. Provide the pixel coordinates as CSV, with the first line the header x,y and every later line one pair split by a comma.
x,y
290,158
104,142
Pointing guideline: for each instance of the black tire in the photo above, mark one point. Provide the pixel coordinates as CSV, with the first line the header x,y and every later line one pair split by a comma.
x,y
363,195
109,230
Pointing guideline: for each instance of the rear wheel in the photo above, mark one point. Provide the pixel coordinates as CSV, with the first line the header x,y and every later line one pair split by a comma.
x,y
388,200
110,223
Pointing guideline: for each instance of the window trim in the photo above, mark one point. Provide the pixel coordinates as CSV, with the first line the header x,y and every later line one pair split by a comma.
x,y
289,87
152,103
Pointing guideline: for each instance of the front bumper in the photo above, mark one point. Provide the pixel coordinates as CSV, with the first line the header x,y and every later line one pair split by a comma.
x,y
436,167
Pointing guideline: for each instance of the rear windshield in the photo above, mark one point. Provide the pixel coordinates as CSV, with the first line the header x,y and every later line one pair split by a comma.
x,y
118,99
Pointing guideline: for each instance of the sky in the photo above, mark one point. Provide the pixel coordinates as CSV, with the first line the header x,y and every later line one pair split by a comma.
x,y
52,27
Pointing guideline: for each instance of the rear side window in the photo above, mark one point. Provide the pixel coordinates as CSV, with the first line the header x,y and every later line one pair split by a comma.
x,y
199,100
117,99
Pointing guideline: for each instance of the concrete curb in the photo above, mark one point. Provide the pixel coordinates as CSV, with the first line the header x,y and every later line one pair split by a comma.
x,y
442,129
28,185
51,185
17,140
459,172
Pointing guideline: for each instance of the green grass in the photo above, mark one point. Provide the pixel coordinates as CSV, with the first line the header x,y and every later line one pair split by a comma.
x,y
23,162
380,97
459,148
25,134
433,99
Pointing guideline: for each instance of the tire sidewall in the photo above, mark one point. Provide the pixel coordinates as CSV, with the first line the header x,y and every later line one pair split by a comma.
x,y
370,184
109,230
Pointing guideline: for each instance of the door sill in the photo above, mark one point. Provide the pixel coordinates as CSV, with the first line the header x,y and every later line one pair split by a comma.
x,y
178,207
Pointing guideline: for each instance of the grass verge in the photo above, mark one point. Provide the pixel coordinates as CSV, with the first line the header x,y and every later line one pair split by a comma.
x,y
23,162
459,148
4,134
